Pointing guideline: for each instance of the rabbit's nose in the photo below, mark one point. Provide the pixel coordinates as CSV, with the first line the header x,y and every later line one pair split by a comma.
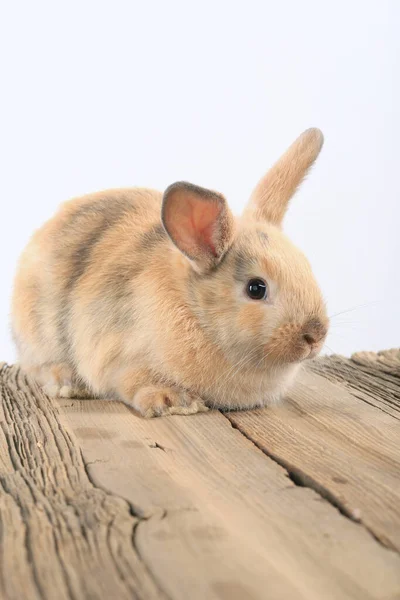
x,y
314,332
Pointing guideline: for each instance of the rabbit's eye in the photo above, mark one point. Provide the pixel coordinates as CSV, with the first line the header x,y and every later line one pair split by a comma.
x,y
256,289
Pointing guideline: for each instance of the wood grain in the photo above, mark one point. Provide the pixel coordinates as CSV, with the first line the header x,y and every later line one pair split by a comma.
x,y
61,537
374,378
98,503
341,437
222,520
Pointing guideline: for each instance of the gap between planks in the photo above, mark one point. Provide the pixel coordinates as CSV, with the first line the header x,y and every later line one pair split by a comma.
x,y
332,435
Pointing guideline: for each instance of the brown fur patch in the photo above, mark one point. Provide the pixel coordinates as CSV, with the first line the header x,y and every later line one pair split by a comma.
x,y
250,318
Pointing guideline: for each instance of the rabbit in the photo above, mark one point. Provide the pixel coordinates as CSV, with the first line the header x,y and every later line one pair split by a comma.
x,y
168,302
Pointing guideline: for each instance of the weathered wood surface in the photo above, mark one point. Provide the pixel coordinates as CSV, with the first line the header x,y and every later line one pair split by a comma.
x,y
61,537
98,503
340,434
372,377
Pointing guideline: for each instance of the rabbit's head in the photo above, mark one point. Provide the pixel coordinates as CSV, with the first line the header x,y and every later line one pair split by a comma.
x,y
252,290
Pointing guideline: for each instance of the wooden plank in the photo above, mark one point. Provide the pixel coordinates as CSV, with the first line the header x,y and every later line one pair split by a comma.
x,y
223,521
60,536
332,438
375,378
387,361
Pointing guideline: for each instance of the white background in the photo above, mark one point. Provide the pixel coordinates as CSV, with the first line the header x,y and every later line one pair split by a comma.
x,y
103,94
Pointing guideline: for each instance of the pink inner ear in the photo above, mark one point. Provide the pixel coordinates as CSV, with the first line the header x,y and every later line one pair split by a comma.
x,y
204,216
193,226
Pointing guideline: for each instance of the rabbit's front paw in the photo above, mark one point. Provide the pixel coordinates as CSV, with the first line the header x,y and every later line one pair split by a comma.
x,y
157,402
66,391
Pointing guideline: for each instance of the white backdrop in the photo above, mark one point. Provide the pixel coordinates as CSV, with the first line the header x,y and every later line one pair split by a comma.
x,y
103,94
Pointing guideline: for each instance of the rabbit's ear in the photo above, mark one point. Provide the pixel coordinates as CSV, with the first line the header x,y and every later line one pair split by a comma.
x,y
199,223
270,198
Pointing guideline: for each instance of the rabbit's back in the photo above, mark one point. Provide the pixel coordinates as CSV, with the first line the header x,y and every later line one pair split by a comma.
x,y
74,277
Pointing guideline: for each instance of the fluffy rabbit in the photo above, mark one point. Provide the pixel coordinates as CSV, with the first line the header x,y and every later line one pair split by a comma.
x,y
166,301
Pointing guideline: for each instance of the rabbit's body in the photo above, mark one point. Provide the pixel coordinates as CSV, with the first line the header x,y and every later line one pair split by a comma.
x,y
110,299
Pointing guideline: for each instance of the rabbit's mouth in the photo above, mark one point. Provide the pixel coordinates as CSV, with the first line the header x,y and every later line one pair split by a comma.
x,y
289,346
310,351
313,352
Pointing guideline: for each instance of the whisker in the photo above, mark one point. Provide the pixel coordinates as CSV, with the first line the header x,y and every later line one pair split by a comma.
x,y
354,308
329,348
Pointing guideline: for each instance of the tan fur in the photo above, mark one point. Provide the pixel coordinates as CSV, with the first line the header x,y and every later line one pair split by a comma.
x,y
271,197
110,301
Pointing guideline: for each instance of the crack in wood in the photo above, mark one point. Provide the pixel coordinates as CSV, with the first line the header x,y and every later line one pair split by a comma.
x,y
157,445
373,445
302,479
75,537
